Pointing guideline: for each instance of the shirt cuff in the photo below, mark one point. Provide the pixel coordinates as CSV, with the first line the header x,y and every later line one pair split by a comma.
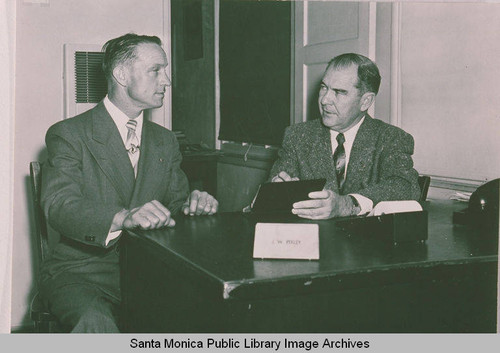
x,y
112,235
117,223
364,202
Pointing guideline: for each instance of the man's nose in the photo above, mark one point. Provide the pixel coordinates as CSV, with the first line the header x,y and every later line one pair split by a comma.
x,y
327,97
165,80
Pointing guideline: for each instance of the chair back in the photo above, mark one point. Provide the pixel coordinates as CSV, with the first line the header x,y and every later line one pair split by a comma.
x,y
424,181
44,321
42,240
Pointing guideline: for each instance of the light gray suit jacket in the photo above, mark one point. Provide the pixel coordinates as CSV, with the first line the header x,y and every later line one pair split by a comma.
x,y
380,165
88,178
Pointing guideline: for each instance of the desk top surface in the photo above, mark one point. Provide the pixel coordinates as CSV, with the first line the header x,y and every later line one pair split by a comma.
x,y
221,246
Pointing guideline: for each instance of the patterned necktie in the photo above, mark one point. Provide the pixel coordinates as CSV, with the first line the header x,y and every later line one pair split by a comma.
x,y
339,160
132,144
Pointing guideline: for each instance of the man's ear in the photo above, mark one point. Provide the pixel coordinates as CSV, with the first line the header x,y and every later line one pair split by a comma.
x,y
120,75
367,100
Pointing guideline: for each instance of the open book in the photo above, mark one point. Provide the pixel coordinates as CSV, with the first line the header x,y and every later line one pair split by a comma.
x,y
388,207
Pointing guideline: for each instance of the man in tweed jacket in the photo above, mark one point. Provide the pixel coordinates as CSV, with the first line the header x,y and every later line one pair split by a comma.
x,y
378,162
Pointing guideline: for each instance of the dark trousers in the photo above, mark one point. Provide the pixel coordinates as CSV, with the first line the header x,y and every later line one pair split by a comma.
x,y
84,308
85,297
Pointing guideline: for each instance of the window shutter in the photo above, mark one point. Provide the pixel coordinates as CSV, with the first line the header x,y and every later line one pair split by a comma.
x,y
90,82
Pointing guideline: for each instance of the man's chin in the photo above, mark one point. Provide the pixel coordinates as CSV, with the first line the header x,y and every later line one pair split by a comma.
x,y
157,104
329,121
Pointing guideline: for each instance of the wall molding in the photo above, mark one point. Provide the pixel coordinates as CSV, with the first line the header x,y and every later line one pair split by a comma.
x,y
372,41
217,73
455,184
396,66
167,45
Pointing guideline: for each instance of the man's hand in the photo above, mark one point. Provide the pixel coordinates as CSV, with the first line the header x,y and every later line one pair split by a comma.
x,y
325,204
283,176
151,215
200,203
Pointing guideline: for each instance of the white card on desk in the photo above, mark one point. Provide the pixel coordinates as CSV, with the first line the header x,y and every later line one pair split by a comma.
x,y
286,241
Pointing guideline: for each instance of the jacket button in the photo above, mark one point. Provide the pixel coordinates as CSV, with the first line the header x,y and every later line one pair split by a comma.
x,y
90,238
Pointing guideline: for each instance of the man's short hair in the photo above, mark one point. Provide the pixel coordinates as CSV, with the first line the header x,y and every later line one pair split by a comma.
x,y
122,49
368,74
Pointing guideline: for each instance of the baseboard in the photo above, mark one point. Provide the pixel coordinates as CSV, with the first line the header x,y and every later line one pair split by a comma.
x,y
455,184
25,328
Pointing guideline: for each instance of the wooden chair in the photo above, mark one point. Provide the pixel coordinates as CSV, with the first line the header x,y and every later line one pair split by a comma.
x,y
43,320
423,181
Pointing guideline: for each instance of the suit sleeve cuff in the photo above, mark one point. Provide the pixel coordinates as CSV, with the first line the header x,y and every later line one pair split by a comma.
x,y
365,203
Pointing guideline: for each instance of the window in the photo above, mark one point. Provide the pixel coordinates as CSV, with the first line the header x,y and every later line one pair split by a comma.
x,y
255,67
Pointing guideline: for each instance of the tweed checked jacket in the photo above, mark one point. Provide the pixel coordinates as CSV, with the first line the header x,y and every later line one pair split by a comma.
x,y
380,164
88,178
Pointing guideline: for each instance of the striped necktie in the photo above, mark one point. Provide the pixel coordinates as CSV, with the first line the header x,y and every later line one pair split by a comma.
x,y
132,144
339,160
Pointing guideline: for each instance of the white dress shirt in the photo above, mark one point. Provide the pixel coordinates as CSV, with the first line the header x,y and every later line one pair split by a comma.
x,y
121,119
350,135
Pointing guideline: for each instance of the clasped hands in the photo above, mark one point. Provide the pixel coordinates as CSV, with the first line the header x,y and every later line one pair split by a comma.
x,y
153,215
324,204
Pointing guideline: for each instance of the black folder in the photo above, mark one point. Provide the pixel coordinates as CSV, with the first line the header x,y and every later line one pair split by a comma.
x,y
279,197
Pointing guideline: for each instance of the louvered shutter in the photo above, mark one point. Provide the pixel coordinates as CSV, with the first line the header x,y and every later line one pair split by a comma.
x,y
90,82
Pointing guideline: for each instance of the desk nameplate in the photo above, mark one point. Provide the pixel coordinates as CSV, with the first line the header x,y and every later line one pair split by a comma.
x,y
286,241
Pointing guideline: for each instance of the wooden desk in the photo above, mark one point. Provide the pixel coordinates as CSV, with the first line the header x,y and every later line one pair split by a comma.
x,y
201,277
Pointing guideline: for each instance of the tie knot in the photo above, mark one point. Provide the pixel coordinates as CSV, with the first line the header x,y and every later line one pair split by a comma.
x,y
340,139
131,124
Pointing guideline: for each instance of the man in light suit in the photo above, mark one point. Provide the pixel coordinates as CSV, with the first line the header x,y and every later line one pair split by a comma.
x,y
364,160
109,170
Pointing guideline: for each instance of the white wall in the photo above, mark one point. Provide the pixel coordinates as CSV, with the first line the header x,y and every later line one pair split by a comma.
x,y
7,50
42,30
450,97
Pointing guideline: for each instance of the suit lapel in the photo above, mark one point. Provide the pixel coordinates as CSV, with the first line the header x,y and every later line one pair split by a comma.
x,y
109,152
360,160
321,152
149,165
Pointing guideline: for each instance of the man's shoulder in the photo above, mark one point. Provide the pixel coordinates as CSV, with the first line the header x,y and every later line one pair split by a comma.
x,y
377,133
77,122
384,128
160,131
311,126
158,128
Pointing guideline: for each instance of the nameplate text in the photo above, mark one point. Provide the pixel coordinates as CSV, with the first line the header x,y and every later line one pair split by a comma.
x,y
286,241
